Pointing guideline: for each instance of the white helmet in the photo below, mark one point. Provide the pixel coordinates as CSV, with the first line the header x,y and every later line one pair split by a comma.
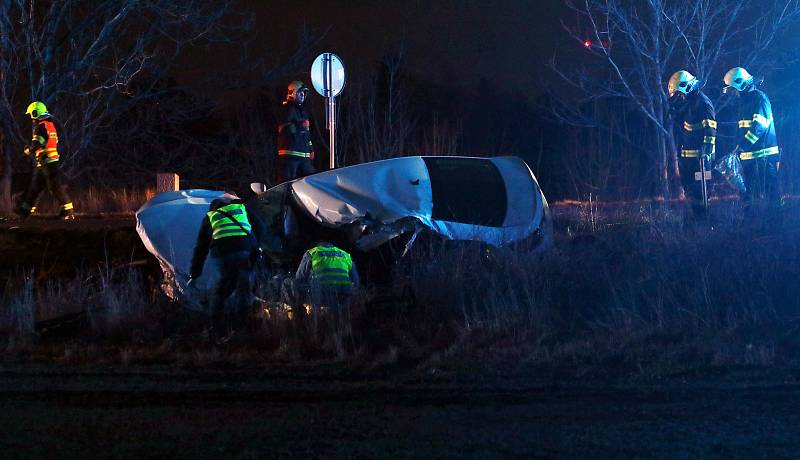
x,y
681,82
739,79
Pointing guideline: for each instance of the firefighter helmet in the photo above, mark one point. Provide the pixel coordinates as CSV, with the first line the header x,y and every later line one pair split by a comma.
x,y
217,203
294,88
36,109
681,82
739,79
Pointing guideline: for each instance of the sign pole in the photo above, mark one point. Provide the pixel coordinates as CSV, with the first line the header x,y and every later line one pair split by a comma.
x,y
332,128
704,185
331,109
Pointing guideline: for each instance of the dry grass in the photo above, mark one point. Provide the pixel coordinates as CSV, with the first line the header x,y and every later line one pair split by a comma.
x,y
98,305
96,201
92,200
629,291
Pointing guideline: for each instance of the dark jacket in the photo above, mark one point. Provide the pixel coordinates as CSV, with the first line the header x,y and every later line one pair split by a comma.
x,y
221,247
695,125
757,136
294,133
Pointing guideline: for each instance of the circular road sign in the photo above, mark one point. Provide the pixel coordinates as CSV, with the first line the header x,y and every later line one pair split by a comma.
x,y
327,75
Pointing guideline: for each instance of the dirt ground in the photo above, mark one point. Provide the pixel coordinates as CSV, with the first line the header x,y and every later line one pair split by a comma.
x,y
318,412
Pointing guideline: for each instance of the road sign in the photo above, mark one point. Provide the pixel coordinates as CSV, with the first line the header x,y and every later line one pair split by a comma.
x,y
327,75
698,175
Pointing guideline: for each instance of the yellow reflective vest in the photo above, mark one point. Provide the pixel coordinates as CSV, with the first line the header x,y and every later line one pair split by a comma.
x,y
223,226
330,266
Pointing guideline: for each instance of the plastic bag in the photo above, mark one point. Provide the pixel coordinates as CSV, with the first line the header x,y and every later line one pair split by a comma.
x,y
730,167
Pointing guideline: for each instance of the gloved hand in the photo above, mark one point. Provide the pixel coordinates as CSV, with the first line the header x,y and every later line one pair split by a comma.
x,y
707,153
257,255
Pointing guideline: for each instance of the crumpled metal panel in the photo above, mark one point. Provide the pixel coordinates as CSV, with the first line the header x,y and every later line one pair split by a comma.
x,y
168,225
381,193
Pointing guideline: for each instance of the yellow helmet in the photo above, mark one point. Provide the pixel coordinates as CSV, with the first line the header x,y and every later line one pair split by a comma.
x,y
294,88
739,79
681,82
36,109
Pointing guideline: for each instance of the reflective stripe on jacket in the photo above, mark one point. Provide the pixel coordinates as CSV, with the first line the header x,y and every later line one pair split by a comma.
x,y
294,153
759,153
331,266
222,226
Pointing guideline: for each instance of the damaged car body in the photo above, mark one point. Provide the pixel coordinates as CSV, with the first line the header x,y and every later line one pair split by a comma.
x,y
374,210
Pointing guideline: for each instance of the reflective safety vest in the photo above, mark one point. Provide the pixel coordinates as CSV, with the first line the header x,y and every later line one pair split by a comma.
x,y
48,153
330,266
222,226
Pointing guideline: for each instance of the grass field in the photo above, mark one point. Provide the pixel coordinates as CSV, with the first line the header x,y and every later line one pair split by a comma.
x,y
642,333
627,290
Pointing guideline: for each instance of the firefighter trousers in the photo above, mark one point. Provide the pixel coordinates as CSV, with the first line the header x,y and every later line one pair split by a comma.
x,y
761,180
692,187
288,167
236,273
46,177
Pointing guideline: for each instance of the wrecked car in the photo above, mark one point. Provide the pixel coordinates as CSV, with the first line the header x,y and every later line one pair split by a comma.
x,y
374,210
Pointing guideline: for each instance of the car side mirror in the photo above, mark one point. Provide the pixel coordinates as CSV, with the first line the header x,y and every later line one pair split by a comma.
x,y
258,187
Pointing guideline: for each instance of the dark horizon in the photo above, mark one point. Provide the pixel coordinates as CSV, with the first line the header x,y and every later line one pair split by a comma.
x,y
453,43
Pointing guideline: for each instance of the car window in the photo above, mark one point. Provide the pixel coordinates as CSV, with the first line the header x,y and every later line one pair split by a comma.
x,y
467,190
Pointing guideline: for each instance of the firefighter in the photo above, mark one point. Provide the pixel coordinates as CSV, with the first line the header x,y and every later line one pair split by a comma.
x,y
295,150
758,144
328,275
695,128
46,175
229,233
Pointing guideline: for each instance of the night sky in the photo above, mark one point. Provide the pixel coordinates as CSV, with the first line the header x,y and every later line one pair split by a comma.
x,y
453,42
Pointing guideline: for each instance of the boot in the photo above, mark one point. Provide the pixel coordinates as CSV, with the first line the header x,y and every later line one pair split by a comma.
x,y
67,212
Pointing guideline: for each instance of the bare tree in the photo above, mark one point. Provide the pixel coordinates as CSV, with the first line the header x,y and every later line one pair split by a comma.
x,y
377,118
90,60
384,115
636,45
